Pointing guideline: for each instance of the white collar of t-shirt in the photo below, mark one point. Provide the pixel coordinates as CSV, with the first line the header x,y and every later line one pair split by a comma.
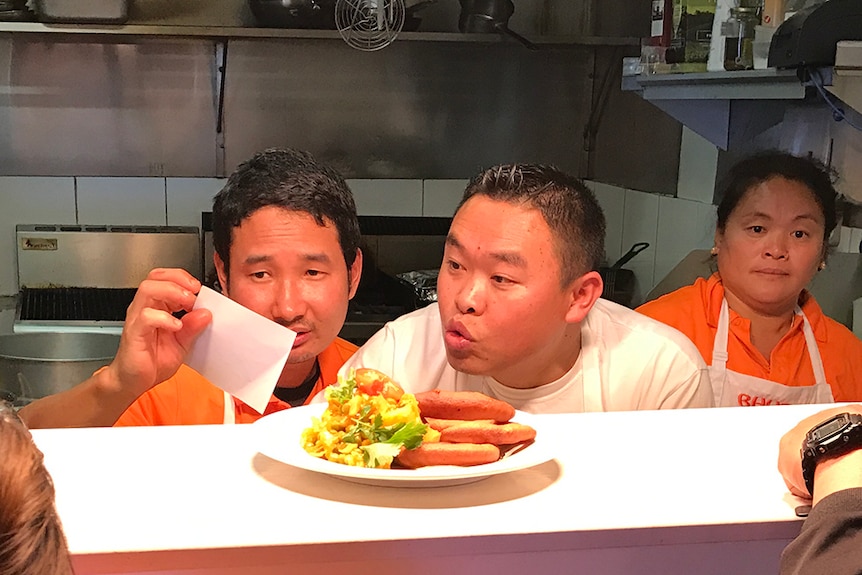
x,y
564,395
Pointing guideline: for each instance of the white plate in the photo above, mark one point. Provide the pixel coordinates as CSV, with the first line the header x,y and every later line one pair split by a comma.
x,y
280,440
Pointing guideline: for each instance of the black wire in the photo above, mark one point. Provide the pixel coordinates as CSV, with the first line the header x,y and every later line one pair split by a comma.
x,y
837,112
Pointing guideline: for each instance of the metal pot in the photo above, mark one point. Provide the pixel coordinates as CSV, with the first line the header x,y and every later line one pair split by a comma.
x,y
33,365
310,14
489,16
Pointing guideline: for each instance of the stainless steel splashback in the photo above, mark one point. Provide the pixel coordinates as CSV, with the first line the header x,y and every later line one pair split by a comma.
x,y
102,256
143,109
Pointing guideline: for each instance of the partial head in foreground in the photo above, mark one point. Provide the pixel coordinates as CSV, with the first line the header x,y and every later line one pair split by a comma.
x,y
31,536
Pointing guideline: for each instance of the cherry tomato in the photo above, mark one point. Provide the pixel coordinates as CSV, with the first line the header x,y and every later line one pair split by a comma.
x,y
372,382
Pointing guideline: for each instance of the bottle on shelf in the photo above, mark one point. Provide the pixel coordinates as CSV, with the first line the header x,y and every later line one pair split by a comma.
x,y
662,23
738,33
654,50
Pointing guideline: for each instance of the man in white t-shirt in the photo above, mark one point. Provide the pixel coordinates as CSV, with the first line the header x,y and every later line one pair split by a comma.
x,y
519,315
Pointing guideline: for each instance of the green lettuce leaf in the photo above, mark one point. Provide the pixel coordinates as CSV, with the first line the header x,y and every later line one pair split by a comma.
x,y
380,454
389,440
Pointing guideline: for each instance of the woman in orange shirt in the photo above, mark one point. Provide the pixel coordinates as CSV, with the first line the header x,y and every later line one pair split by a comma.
x,y
764,337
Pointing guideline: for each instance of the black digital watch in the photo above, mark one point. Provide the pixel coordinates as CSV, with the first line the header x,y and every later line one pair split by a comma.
x,y
835,436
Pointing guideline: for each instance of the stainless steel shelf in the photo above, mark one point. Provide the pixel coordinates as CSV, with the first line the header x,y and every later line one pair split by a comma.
x,y
768,84
228,32
726,108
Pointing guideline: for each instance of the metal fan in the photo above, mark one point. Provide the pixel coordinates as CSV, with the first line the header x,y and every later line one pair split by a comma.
x,y
369,25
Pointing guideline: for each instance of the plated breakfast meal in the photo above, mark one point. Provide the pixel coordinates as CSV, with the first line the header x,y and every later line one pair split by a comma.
x,y
371,422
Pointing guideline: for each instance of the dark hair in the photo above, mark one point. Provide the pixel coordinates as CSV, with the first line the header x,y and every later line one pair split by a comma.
x,y
31,535
289,179
760,167
569,208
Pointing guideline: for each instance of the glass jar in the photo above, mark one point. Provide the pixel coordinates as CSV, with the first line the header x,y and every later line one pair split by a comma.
x,y
738,32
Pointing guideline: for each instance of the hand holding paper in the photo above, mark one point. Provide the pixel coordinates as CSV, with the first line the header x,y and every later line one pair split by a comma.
x,y
241,352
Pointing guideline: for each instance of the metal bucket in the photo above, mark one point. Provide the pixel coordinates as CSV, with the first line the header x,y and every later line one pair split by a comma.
x,y
33,365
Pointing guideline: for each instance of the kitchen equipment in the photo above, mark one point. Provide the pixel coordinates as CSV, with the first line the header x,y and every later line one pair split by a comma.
x,y
82,11
424,285
620,283
809,37
369,25
392,245
311,14
15,11
73,278
318,14
33,365
411,20
489,16
739,31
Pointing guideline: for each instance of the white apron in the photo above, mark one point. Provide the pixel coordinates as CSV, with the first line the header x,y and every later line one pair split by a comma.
x,y
229,414
733,389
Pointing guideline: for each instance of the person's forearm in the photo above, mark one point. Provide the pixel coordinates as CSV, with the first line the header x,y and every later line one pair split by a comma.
x,y
97,402
830,539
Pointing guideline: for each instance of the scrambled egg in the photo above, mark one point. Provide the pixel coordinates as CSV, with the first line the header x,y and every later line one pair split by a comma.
x,y
368,420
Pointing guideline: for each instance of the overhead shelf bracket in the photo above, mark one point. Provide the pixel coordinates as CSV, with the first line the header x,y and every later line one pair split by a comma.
x,y
723,107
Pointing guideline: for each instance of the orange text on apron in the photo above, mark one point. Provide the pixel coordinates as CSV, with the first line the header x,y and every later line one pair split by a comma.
x,y
733,389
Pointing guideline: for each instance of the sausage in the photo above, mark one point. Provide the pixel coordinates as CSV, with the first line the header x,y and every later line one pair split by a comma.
x,y
441,424
438,453
483,432
443,404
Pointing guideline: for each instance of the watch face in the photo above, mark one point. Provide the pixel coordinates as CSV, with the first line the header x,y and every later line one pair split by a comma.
x,y
829,428
835,436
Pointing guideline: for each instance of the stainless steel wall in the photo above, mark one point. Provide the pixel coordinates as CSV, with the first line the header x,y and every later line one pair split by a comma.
x,y
548,17
107,109
148,106
415,109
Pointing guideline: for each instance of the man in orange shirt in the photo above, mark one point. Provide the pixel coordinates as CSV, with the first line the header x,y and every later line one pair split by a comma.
x,y
286,238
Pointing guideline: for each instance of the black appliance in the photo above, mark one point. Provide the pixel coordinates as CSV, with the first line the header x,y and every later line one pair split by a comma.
x,y
391,246
809,37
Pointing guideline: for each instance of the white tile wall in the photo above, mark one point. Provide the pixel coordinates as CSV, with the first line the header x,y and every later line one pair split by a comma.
x,y
683,226
30,200
698,159
119,201
612,200
188,197
441,197
672,226
387,197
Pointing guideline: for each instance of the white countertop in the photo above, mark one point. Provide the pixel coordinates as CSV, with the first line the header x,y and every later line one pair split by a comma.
x,y
639,492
